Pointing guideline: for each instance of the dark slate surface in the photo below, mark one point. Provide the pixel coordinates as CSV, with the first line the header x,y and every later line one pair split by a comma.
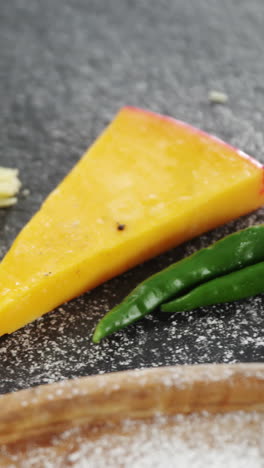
x,y
65,69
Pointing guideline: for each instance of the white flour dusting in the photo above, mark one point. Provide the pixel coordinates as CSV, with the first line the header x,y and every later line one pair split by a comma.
x,y
169,69
58,346
232,440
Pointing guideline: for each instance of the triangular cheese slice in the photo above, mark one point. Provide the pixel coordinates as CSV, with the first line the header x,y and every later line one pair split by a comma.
x,y
147,184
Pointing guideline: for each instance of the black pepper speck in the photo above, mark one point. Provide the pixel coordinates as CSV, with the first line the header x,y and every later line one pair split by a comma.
x,y
121,227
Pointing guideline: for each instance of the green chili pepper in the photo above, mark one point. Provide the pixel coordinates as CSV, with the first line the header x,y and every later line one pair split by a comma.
x,y
231,253
237,285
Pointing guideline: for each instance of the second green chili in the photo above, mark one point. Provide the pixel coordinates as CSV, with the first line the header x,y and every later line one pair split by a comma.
x,y
237,285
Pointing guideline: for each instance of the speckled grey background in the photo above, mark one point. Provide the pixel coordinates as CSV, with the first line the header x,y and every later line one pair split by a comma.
x,y
66,66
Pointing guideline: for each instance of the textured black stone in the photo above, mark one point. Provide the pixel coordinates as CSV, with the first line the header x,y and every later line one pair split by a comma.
x,y
66,66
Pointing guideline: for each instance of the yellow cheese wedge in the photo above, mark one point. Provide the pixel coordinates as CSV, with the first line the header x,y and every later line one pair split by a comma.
x,y
147,184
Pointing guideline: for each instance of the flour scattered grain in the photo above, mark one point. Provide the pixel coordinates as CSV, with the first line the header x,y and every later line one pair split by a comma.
x,y
58,345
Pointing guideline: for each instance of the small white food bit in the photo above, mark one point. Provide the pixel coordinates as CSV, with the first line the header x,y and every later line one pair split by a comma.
x,y
217,97
25,192
9,186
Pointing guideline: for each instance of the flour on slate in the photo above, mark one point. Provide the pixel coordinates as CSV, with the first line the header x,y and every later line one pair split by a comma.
x,y
76,63
58,346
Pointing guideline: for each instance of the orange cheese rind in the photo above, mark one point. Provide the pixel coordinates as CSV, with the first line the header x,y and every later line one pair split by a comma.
x,y
200,132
